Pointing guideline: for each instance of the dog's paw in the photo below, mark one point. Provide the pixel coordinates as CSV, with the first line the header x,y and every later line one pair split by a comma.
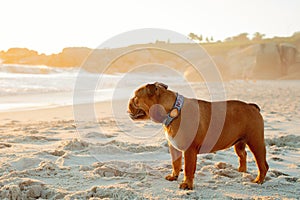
x,y
170,177
258,180
242,169
186,186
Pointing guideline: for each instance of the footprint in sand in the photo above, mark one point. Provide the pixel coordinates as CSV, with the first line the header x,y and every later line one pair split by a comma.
x,y
276,173
4,145
98,135
58,153
277,159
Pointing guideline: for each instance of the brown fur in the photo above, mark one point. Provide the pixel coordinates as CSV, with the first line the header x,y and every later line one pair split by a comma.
x,y
195,130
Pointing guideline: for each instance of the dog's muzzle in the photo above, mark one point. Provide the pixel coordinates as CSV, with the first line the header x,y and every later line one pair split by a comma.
x,y
135,113
138,115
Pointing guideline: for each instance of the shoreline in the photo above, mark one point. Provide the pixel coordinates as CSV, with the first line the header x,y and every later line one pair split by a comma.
x,y
49,113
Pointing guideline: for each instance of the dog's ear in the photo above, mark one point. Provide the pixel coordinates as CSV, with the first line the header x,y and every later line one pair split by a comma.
x,y
151,89
161,85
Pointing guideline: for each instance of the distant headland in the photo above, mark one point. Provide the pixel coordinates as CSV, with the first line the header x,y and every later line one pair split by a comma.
x,y
237,57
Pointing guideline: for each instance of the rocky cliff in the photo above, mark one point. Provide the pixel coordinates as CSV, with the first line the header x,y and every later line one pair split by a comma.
x,y
269,60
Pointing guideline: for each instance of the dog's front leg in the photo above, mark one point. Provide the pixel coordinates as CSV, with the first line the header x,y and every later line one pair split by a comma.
x,y
190,162
176,163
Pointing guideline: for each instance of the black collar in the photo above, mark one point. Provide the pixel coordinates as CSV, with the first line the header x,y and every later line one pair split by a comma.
x,y
176,110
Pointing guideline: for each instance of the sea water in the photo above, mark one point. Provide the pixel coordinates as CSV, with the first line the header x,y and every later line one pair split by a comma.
x,y
24,87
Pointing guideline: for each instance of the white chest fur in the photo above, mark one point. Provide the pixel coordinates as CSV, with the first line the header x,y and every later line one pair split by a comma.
x,y
173,141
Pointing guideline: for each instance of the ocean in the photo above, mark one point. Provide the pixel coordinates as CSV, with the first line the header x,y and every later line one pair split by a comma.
x,y
24,87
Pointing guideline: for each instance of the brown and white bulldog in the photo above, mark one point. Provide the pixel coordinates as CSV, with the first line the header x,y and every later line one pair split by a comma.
x,y
195,126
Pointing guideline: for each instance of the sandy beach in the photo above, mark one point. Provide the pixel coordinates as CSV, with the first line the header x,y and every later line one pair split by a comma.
x,y
44,154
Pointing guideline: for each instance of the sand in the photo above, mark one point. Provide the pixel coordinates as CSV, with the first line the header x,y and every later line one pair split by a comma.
x,y
44,154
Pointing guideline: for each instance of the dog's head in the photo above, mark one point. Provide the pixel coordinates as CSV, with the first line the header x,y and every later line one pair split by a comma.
x,y
143,104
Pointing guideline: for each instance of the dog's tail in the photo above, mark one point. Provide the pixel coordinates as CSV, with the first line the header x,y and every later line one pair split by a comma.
x,y
255,105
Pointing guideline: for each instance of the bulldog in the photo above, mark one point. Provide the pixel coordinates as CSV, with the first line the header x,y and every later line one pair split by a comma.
x,y
195,126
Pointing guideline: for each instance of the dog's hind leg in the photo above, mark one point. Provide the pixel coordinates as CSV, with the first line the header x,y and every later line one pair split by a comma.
x,y
258,148
239,149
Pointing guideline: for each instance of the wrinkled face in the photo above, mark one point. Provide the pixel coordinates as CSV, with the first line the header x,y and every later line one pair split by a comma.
x,y
144,98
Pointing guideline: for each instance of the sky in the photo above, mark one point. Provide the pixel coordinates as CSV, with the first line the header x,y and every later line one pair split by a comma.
x,y
50,25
